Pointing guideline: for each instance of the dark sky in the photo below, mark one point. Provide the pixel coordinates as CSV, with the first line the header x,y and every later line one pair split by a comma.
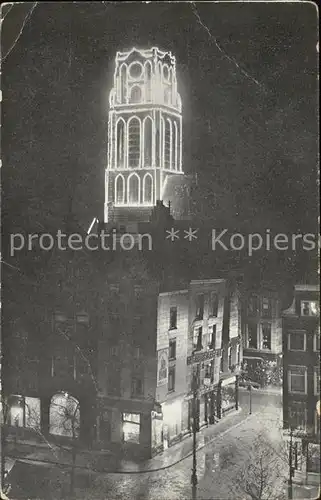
x,y
247,79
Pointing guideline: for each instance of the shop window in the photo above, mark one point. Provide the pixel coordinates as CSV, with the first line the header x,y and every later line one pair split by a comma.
x,y
131,427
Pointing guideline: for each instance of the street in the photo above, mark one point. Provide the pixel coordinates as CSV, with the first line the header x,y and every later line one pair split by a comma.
x,y
245,440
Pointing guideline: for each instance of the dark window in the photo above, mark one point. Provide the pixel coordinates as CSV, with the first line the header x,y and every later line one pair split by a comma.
x,y
133,189
137,387
197,341
298,415
171,379
173,317
266,307
297,379
266,336
172,349
148,138
120,143
297,341
120,189
214,304
212,339
222,362
252,306
199,306
252,336
209,371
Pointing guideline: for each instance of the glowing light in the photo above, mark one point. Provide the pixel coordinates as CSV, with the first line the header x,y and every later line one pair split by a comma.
x,y
172,412
145,127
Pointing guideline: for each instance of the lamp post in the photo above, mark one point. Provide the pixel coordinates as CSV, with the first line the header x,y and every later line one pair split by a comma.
x,y
249,388
290,486
194,469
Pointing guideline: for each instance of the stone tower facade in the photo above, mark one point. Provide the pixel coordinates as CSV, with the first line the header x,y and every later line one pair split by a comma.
x,y
144,134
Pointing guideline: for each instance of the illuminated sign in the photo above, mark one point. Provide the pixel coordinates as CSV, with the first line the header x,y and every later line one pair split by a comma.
x,y
144,128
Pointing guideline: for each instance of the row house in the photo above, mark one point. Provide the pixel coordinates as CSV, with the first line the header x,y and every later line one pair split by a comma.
x,y
301,381
262,316
152,349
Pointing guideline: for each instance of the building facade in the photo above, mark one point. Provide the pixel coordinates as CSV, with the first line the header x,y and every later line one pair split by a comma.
x,y
262,335
301,381
146,373
144,134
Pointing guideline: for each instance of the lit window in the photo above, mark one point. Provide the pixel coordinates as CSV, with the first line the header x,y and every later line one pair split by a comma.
x,y
212,339
317,381
197,339
131,427
135,95
168,140
266,336
133,189
120,189
266,307
148,189
309,308
133,143
297,379
297,341
171,379
252,336
172,349
120,143
148,141
173,318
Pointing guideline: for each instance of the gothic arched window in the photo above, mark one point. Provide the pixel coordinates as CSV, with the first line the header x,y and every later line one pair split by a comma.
x,y
175,146
148,189
133,189
123,82
148,141
120,143
135,94
133,143
148,81
168,141
120,189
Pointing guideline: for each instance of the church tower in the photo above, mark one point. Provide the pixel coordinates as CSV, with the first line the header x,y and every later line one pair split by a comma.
x,y
144,135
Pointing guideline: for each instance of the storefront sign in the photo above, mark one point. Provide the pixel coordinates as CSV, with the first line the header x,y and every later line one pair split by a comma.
x,y
162,367
200,357
228,381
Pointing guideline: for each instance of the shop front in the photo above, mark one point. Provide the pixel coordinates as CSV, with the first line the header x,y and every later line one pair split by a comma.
x,y
227,396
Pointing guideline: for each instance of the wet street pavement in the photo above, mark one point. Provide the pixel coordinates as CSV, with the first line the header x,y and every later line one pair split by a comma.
x,y
220,463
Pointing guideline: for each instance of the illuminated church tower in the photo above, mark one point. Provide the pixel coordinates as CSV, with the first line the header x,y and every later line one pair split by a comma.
x,y
144,135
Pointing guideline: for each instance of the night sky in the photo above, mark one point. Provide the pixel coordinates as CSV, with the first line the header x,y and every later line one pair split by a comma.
x,y
248,80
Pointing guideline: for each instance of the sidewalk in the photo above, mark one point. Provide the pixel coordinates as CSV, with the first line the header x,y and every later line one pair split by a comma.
x,y
105,461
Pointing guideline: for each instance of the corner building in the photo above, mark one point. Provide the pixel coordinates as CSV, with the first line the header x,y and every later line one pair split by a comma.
x,y
144,134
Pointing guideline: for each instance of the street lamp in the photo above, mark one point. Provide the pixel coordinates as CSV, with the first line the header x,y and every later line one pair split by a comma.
x,y
249,388
194,469
290,486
